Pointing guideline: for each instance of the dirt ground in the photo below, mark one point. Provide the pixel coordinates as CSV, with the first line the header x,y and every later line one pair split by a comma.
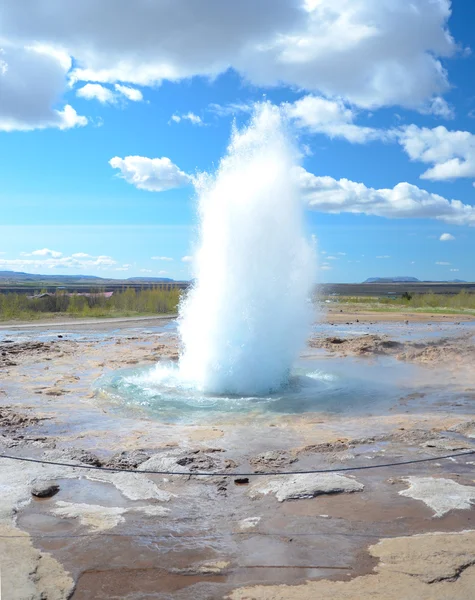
x,y
86,532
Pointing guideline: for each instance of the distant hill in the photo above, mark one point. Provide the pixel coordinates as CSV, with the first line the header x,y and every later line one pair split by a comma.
x,y
392,280
20,276
408,280
16,277
147,279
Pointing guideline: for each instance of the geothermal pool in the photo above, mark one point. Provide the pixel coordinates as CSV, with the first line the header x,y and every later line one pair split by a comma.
x,y
326,386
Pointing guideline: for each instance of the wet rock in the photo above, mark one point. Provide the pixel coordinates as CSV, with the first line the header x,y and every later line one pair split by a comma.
x,y
241,481
128,459
55,391
439,494
336,446
274,459
206,568
409,436
447,445
435,566
197,462
249,523
76,455
12,420
44,489
293,487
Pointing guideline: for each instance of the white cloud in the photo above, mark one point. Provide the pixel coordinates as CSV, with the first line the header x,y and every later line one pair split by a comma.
x,y
163,272
446,237
44,252
373,53
50,259
32,79
131,94
455,270
452,153
151,174
325,268
168,258
96,91
145,270
442,263
231,109
329,195
384,256
191,117
187,258
330,117
440,108
81,255
342,253
331,258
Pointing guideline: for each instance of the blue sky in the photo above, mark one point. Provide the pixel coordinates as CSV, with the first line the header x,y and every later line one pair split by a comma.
x,y
380,97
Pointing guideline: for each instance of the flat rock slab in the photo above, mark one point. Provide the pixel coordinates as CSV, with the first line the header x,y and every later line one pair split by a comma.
x,y
293,487
441,495
433,566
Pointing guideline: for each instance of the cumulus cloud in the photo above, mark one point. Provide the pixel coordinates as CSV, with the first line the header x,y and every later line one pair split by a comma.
x,y
452,153
168,258
330,117
373,53
132,94
43,252
187,258
46,259
96,91
191,117
151,174
404,200
32,79
446,237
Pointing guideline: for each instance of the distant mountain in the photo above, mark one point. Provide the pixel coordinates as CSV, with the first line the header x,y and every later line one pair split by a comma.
x,y
16,277
20,276
142,279
408,280
392,280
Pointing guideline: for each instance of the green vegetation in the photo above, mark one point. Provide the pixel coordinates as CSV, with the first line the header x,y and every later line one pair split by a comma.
x,y
125,303
463,302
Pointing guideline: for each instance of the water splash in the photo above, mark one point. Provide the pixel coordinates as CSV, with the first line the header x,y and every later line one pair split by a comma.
x,y
247,315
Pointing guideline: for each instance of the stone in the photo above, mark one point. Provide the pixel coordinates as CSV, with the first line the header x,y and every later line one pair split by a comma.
x,y
44,489
128,459
293,487
271,460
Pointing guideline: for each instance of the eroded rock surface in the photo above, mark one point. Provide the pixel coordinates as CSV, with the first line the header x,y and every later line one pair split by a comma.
x,y
439,566
293,487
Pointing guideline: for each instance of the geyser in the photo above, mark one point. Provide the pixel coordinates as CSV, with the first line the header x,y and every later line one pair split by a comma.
x,y
247,315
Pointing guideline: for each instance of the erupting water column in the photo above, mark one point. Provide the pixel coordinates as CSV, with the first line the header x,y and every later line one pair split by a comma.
x,y
247,315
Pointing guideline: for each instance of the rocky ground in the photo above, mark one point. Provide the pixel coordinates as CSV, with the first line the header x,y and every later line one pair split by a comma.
x,y
82,532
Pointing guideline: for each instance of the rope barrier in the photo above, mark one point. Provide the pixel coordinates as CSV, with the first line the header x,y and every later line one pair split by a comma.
x,y
234,474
